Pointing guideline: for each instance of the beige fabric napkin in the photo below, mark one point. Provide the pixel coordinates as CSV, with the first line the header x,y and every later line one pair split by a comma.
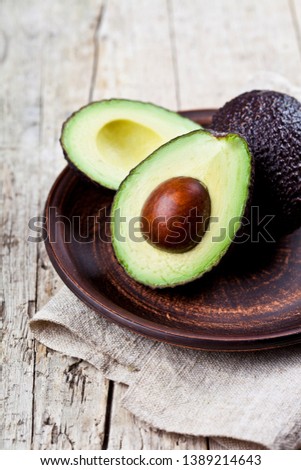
x,y
247,396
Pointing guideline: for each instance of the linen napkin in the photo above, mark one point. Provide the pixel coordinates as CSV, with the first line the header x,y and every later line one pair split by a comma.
x,y
244,396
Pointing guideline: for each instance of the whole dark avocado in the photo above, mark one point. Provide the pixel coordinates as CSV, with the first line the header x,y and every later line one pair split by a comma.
x,y
271,123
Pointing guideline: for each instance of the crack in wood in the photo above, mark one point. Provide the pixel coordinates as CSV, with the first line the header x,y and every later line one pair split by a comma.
x,y
56,432
99,21
297,27
34,343
75,377
4,48
173,52
107,424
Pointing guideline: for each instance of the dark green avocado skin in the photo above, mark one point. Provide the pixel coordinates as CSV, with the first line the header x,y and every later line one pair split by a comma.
x,y
271,123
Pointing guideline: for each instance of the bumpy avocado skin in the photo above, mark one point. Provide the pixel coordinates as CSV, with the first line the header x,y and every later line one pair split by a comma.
x,y
271,124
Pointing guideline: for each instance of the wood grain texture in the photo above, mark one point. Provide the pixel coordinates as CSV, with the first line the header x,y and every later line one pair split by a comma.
x,y
82,389
67,79
19,137
53,55
220,46
49,55
134,54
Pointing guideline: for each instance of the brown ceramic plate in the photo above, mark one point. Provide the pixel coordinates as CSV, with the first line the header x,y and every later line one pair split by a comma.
x,y
250,302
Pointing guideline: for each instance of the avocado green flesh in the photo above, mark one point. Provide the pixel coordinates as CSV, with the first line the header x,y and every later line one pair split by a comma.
x,y
106,139
125,143
223,165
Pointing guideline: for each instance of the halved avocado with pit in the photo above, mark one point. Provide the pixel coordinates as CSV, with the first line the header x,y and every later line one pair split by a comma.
x,y
106,139
209,171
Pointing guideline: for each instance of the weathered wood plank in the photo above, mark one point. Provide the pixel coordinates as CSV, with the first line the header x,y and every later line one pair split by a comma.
x,y
47,65
70,396
221,45
18,355
70,410
134,53
20,110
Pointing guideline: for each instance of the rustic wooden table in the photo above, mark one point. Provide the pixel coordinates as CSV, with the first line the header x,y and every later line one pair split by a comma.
x,y
55,56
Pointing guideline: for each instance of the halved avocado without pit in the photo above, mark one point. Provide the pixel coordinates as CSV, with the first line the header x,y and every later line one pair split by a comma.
x,y
200,170
106,139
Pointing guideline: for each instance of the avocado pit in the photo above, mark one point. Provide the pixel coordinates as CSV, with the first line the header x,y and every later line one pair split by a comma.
x,y
176,214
